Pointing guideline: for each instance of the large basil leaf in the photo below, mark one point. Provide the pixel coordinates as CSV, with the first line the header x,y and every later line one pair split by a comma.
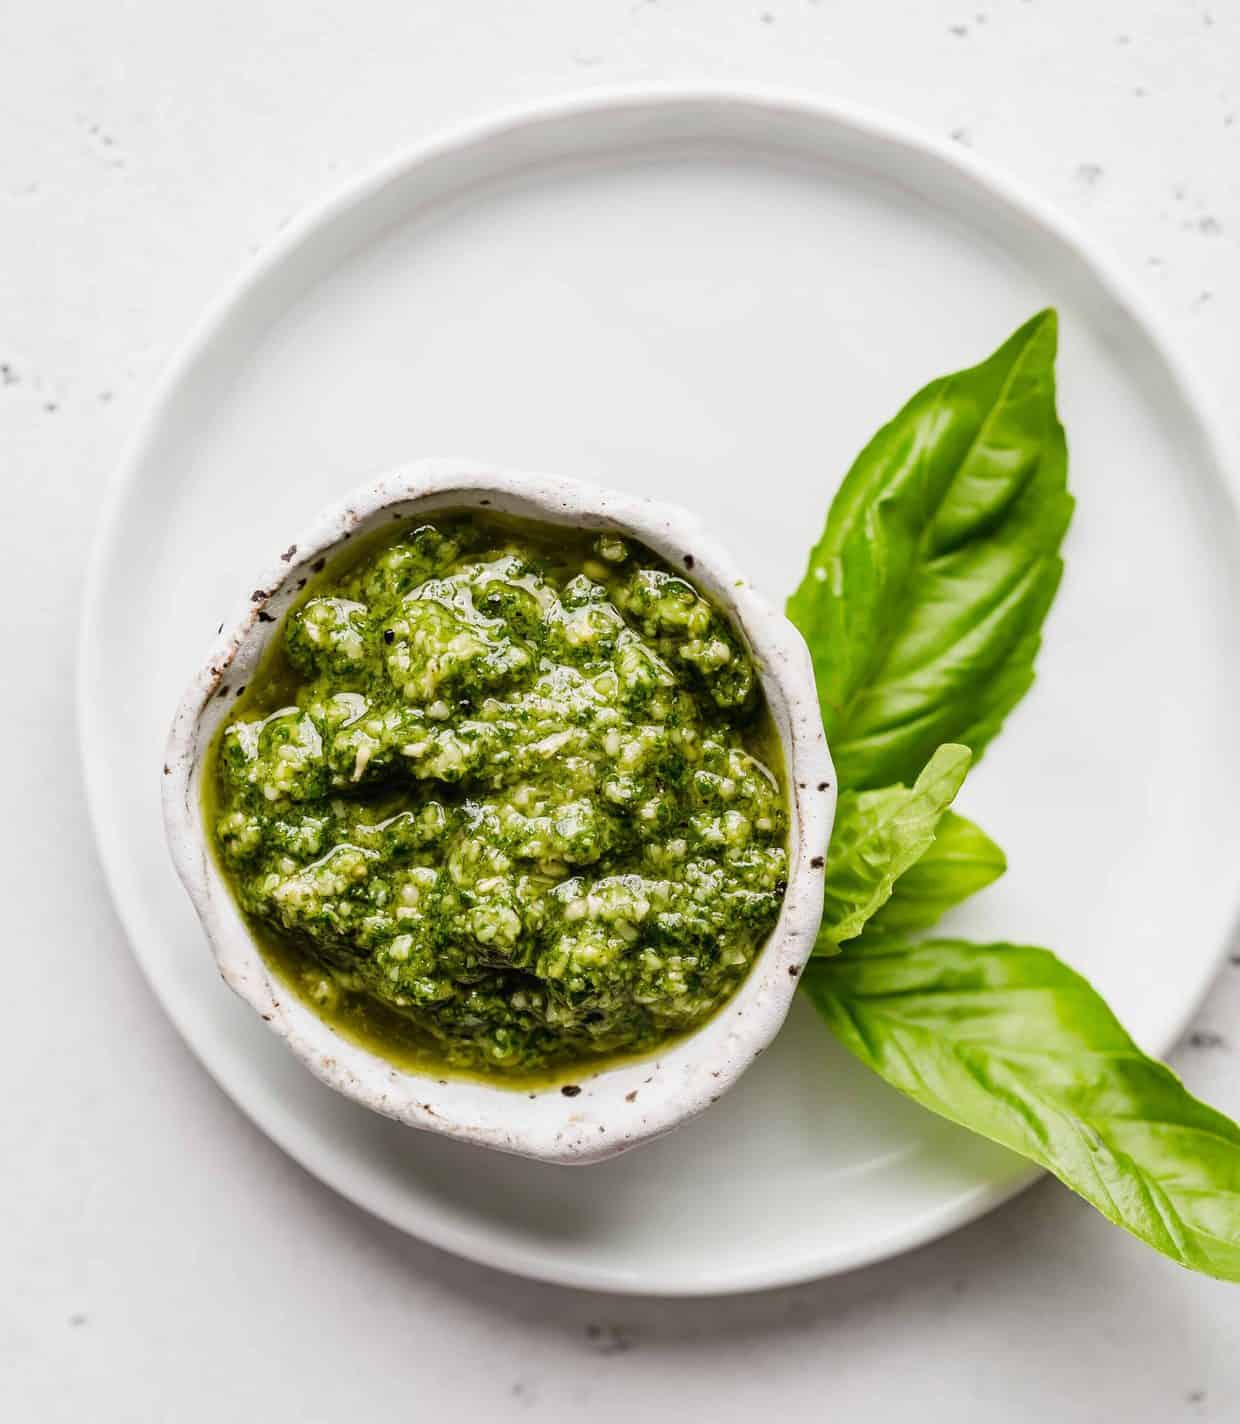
x,y
1011,1043
924,599
878,836
961,861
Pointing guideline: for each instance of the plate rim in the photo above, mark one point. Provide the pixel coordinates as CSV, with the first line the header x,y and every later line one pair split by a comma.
x,y
1017,199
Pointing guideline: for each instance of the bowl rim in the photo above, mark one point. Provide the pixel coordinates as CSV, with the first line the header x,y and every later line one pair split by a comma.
x,y
617,1106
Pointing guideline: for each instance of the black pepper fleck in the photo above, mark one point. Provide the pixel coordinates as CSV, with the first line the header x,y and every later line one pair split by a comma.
x,y
288,553
689,561
264,616
614,1340
570,1090
318,566
389,636
817,863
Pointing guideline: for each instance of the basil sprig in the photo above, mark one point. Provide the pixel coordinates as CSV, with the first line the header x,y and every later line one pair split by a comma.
x,y
879,837
923,608
960,861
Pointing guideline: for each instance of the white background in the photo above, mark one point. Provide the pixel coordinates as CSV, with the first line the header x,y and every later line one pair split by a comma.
x,y
159,1259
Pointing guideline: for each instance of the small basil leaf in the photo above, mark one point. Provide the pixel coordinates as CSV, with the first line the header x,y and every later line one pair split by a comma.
x,y
961,861
1009,1042
924,599
878,836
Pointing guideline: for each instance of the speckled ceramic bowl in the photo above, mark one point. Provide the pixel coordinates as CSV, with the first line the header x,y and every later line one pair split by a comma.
x,y
605,1111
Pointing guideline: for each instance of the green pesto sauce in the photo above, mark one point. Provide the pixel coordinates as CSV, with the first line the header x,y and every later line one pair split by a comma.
x,y
503,799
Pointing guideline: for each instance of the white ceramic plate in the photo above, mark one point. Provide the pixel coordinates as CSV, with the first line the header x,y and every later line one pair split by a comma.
x,y
714,298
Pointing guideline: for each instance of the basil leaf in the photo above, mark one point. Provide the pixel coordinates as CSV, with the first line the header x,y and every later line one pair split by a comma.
x,y
961,861
924,599
1011,1043
878,836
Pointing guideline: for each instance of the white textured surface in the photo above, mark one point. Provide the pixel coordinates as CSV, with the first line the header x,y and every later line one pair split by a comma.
x,y
157,1253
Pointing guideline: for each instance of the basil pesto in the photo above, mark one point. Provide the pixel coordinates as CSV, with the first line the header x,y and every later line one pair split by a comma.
x,y
503,799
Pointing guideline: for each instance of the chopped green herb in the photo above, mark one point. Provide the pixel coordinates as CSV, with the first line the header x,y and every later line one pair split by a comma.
x,y
506,795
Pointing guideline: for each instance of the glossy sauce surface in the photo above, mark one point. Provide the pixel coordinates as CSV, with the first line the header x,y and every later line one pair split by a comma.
x,y
503,799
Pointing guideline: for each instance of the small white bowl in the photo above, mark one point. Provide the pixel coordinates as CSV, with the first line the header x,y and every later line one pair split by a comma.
x,y
610,1109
